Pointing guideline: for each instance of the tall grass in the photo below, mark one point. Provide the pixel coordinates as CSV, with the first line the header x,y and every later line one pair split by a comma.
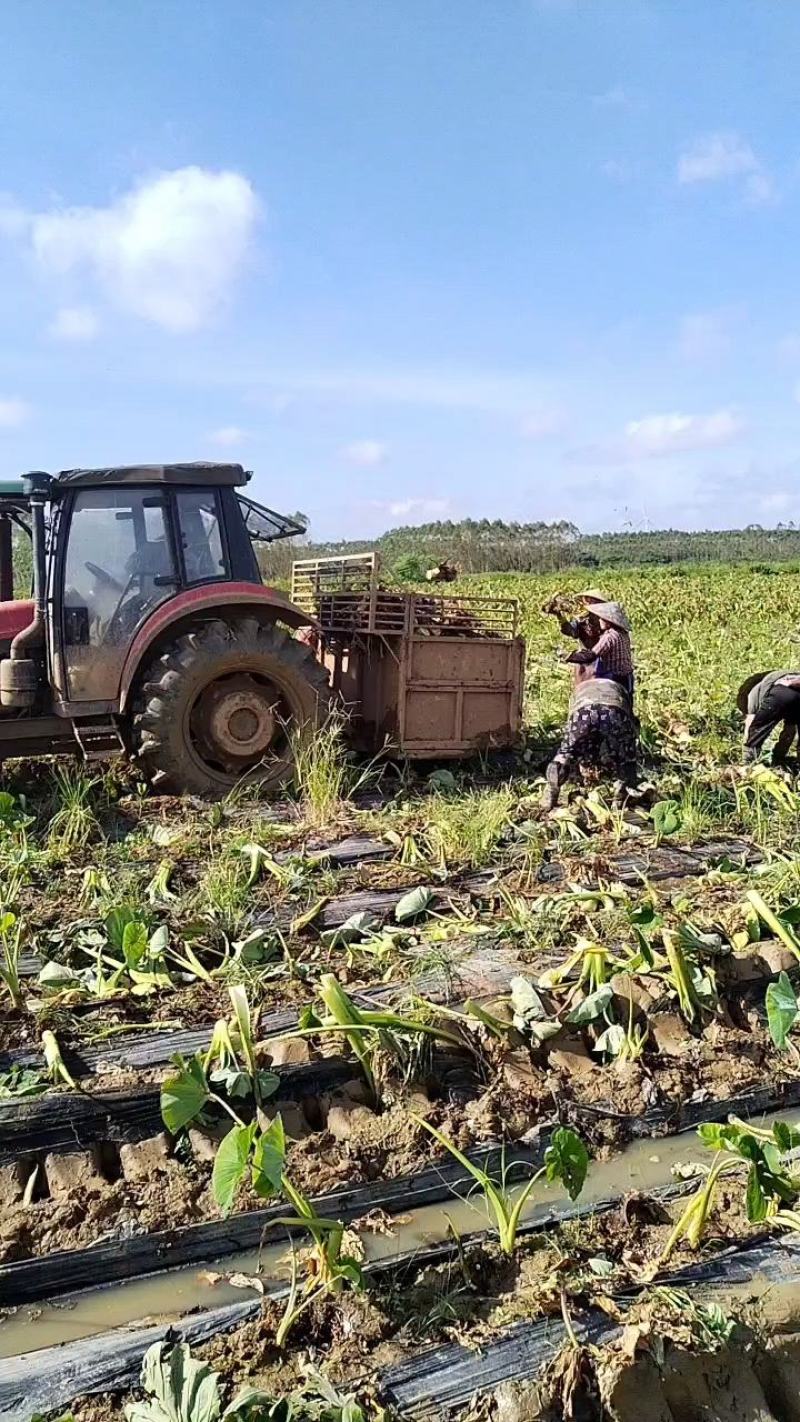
x,y
325,773
74,823
464,831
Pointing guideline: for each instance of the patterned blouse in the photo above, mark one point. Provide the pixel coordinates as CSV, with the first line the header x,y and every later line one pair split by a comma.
x,y
613,651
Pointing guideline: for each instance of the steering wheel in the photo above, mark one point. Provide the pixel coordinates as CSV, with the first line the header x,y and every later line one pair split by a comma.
x,y
104,577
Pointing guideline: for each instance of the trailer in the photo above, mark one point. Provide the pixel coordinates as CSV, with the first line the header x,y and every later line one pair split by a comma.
x,y
431,675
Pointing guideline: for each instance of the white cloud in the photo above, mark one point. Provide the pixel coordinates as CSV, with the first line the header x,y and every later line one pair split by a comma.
x,y
74,323
366,453
167,251
722,157
674,433
13,412
228,435
716,156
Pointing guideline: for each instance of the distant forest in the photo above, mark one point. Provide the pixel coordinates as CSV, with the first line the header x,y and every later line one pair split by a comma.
x,y
492,546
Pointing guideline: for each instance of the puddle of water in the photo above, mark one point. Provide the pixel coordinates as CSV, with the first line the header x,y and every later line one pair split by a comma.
x,y
643,1165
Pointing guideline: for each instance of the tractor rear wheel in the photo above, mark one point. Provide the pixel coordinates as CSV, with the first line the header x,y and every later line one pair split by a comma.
x,y
223,704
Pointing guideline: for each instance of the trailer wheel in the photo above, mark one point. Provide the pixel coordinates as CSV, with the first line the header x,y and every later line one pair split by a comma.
x,y
222,704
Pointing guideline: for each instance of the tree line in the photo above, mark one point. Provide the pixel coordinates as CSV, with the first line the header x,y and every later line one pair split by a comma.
x,y
497,546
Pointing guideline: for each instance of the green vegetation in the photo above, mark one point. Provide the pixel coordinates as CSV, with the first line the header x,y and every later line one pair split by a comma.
x,y
492,545
479,973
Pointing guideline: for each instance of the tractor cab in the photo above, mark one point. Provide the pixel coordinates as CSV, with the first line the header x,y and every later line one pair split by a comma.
x,y
124,563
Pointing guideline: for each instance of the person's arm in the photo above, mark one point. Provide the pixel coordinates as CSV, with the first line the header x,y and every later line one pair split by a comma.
x,y
571,627
582,656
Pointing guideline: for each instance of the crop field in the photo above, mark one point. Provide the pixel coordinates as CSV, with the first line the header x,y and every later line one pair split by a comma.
x,y
393,1099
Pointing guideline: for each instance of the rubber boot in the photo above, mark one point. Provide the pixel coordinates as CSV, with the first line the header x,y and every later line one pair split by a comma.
x,y
551,789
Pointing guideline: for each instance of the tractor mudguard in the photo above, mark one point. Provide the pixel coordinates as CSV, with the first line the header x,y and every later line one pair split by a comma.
x,y
260,601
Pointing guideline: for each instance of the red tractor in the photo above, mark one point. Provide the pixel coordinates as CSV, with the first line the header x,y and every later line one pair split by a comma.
x,y
150,630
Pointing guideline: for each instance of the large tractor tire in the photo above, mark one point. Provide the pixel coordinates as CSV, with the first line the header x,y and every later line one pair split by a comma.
x,y
223,703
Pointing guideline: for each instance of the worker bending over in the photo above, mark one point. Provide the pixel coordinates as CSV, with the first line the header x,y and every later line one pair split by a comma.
x,y
768,700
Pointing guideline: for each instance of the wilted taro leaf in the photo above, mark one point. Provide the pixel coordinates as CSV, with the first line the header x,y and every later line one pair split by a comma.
x,y
414,904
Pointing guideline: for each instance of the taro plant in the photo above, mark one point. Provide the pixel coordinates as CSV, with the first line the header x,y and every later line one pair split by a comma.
x,y
127,957
756,1155
230,1069
11,932
368,1032
783,1010
566,1159
331,1269
667,819
781,925
180,1388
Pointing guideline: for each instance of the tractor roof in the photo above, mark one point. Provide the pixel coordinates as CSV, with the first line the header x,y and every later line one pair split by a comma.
x,y
200,473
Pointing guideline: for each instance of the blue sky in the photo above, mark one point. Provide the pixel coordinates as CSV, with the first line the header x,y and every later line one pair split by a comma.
x,y
410,259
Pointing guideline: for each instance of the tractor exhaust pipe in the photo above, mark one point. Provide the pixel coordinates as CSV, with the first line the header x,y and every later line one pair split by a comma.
x,y
19,674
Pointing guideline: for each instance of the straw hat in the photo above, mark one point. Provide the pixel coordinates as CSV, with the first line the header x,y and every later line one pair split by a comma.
x,y
592,595
745,689
612,613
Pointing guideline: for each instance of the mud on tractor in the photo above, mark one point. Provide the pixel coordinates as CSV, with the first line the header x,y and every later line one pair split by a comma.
x,y
151,633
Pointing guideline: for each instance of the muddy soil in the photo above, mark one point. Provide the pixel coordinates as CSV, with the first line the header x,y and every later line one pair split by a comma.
x,y
339,1140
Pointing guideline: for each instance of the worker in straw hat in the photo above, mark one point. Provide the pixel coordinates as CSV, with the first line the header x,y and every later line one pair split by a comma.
x,y
609,655
584,628
768,700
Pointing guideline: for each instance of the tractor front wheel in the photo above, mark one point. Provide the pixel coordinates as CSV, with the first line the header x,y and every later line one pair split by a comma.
x,y
224,704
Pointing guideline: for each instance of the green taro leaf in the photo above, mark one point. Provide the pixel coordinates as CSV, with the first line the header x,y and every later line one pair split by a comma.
x,y
117,920
134,943
253,1405
183,1095
755,1199
358,925
180,1388
592,1006
567,1159
715,1135
786,1137
268,1159
781,1005
666,817
230,1164
440,780
414,904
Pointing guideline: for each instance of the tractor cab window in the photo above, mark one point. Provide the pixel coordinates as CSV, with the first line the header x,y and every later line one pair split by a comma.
x,y
201,538
119,565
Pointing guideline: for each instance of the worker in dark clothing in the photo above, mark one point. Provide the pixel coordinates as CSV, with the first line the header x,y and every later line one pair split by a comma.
x,y
769,700
600,734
